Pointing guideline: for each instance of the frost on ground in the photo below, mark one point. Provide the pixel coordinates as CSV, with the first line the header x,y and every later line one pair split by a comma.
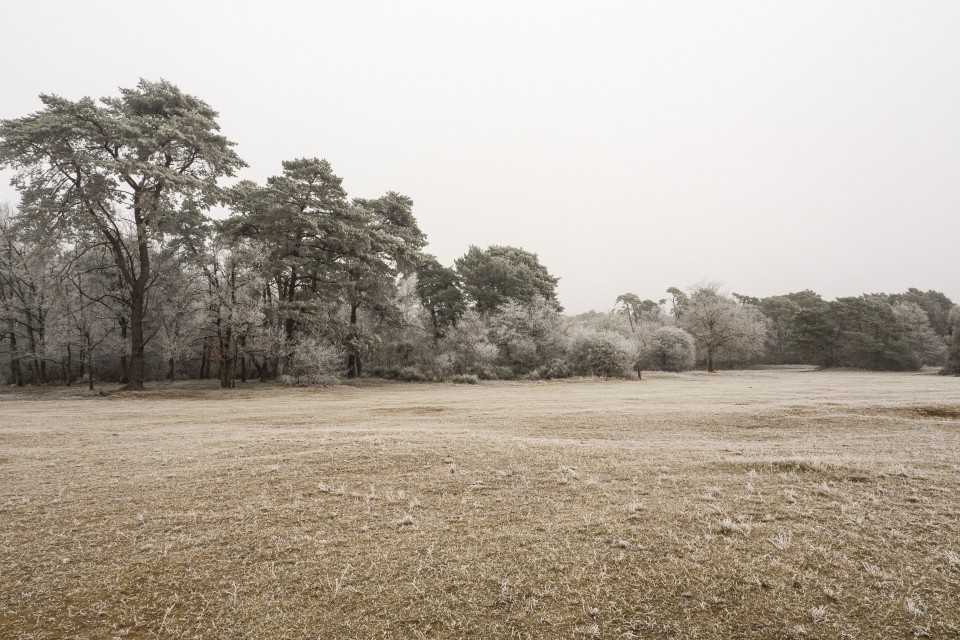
x,y
757,504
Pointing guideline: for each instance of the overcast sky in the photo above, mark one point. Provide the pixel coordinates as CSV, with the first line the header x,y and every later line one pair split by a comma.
x,y
774,146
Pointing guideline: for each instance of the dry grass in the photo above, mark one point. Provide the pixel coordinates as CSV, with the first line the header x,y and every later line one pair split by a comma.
x,y
764,504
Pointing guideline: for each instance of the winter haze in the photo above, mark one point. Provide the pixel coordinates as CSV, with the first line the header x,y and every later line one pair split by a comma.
x,y
633,146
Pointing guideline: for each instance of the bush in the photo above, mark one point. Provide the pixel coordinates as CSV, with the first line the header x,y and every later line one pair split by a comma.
x,y
504,373
600,353
411,374
555,369
465,378
391,373
309,380
313,361
670,349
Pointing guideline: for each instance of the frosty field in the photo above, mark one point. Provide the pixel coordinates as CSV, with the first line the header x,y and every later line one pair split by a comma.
x,y
787,503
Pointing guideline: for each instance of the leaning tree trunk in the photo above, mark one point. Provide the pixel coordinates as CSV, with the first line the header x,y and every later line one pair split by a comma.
x,y
204,360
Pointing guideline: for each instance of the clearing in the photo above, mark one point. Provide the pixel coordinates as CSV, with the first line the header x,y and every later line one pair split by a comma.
x,y
784,503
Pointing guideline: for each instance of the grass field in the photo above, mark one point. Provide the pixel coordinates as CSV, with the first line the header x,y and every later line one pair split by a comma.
x,y
761,504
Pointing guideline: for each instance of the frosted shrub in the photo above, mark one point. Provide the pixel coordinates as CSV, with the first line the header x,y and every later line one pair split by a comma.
x,y
466,348
669,349
600,353
311,362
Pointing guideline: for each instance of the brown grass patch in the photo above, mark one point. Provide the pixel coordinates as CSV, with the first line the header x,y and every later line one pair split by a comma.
x,y
747,504
938,411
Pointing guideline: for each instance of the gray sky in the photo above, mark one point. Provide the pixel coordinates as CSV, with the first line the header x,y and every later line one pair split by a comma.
x,y
634,146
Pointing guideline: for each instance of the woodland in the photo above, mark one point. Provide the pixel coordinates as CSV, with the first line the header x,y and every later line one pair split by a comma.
x,y
132,256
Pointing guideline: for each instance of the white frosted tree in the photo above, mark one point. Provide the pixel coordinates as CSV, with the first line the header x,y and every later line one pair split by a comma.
x,y
722,329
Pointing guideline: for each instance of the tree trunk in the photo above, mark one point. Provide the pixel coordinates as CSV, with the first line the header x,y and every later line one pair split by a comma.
x,y
124,374
41,334
243,361
172,371
289,324
353,366
67,372
353,359
34,363
261,370
136,334
16,373
203,359
89,350
228,362
710,361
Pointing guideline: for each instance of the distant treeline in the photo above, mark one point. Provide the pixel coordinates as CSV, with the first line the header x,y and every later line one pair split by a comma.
x,y
111,269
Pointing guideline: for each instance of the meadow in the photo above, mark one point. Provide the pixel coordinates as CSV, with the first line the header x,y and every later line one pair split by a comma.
x,y
782,503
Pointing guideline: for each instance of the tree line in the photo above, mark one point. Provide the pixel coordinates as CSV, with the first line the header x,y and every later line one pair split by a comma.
x,y
112,268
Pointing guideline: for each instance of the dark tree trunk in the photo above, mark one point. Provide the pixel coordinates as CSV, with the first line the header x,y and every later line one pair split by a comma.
x,y
172,369
261,370
89,353
16,373
35,361
710,360
353,359
353,366
289,324
68,374
42,335
136,333
228,362
204,360
124,374
243,361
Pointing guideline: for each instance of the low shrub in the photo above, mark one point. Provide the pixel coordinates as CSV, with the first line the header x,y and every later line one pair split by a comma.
x,y
465,378
411,374
504,373
554,370
309,380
